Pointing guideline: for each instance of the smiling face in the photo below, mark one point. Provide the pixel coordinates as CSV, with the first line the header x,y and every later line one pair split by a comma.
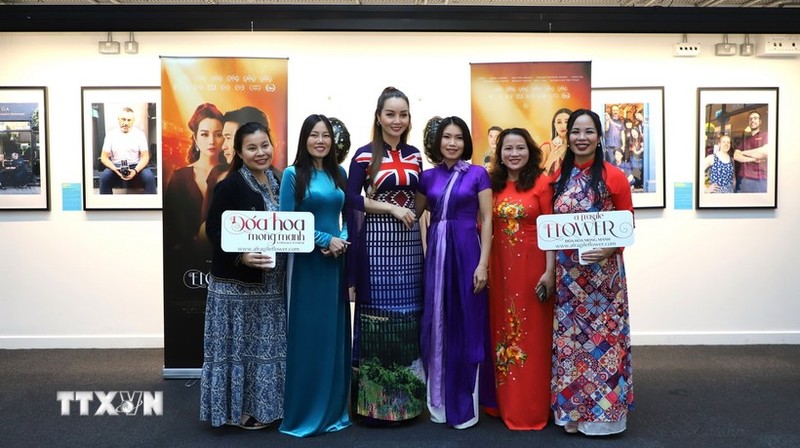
x,y
725,144
209,137
560,123
452,144
754,121
228,131
394,118
583,138
256,152
514,153
319,143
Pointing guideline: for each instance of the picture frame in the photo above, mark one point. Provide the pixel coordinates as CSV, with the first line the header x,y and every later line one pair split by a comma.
x,y
737,147
639,148
24,149
121,128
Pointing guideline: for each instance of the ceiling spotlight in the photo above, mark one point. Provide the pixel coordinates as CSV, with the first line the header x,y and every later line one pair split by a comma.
x,y
108,46
747,49
131,46
724,48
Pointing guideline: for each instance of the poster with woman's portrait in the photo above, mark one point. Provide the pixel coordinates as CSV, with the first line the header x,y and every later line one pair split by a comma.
x,y
737,151
633,138
204,101
537,96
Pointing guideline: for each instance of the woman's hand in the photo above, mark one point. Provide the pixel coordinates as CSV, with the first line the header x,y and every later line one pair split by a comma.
x,y
336,247
404,215
257,260
548,279
597,255
479,279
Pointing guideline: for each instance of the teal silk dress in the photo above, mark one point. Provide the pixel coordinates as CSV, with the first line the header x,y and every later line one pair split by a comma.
x,y
318,339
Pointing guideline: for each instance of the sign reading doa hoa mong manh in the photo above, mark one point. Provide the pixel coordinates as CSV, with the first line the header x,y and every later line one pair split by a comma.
x,y
257,231
584,231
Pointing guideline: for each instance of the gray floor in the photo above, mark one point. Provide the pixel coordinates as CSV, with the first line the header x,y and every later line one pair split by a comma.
x,y
686,396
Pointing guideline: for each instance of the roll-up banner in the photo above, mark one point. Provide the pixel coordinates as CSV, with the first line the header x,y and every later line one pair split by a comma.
x,y
530,95
204,101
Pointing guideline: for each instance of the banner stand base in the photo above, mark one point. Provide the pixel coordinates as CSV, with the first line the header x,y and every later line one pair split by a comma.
x,y
177,374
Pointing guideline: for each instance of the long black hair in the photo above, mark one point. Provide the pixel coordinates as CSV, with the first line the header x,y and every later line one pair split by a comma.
x,y
569,158
304,163
528,174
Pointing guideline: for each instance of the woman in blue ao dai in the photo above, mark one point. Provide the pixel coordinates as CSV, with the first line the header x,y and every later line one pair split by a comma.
x,y
318,339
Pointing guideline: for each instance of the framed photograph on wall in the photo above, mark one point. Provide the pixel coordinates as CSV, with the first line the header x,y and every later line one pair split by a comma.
x,y
633,138
737,147
121,148
23,149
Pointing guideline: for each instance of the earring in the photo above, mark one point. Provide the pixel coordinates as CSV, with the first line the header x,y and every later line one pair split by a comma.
x,y
378,123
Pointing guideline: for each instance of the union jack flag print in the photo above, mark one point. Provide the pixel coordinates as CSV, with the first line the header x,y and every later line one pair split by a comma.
x,y
404,169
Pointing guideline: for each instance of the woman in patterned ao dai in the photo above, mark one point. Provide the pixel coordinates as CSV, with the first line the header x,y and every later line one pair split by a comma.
x,y
592,386
385,267
521,324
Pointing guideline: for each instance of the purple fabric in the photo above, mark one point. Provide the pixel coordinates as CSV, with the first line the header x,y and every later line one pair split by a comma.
x,y
453,254
438,264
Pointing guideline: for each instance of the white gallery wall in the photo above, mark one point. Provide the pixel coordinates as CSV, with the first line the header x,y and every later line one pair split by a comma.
x,y
94,279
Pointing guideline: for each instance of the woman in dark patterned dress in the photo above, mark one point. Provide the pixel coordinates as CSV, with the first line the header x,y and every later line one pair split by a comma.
x,y
592,386
244,361
385,267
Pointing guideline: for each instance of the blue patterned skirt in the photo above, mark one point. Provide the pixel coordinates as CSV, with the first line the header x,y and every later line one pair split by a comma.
x,y
245,350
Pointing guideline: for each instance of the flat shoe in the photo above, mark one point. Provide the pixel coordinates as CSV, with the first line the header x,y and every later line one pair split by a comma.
x,y
250,423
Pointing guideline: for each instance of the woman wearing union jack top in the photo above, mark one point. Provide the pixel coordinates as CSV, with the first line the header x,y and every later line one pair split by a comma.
x,y
385,267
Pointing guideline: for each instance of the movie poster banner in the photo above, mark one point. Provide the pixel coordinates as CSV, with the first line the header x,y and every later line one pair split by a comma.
x,y
204,101
537,96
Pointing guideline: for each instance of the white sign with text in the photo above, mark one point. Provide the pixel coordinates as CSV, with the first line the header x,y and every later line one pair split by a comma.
x,y
267,232
584,231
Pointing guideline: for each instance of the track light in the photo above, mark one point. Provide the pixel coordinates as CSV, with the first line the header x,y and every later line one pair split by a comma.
x,y
108,46
724,48
747,49
131,46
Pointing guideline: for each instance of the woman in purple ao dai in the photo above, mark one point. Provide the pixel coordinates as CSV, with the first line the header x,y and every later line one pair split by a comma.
x,y
455,326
